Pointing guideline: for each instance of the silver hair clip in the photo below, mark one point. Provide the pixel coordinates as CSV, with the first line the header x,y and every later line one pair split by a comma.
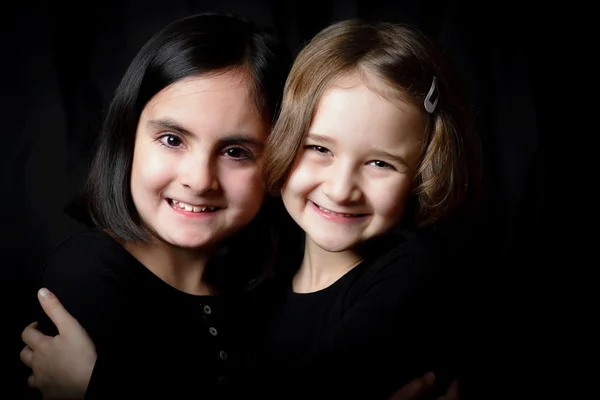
x,y
429,105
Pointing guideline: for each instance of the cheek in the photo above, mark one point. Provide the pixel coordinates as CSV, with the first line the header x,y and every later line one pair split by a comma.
x,y
150,169
390,199
301,181
243,186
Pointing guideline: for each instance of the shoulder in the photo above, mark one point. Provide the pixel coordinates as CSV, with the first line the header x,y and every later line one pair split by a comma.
x,y
403,261
87,243
87,274
84,254
396,274
404,249
87,238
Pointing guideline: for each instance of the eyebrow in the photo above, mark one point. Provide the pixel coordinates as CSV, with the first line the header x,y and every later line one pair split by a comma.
x,y
320,138
395,157
169,124
380,153
172,125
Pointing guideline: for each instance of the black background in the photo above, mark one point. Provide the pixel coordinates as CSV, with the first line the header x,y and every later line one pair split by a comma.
x,y
61,62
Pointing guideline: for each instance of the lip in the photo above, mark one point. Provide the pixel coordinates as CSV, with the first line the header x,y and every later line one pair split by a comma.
x,y
191,214
337,217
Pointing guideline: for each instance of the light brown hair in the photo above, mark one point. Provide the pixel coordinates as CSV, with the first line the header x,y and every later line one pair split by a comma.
x,y
405,62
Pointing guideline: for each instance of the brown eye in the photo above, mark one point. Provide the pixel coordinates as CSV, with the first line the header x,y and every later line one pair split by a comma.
x,y
171,140
318,149
381,164
239,153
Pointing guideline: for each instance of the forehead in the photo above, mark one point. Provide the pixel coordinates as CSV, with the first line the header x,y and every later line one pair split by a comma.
x,y
215,102
356,102
205,89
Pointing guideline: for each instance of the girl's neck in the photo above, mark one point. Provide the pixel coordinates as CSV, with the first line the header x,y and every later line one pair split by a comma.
x,y
183,269
321,268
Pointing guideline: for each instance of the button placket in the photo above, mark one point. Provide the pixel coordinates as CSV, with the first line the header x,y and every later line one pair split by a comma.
x,y
208,314
222,380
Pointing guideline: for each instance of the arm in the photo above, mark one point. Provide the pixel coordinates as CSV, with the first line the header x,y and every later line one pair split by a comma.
x,y
415,389
66,366
62,365
81,273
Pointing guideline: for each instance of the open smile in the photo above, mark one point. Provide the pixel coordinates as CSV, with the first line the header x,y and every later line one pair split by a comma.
x,y
192,208
334,214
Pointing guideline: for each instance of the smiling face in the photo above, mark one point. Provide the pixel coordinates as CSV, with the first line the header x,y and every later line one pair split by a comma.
x,y
352,181
195,176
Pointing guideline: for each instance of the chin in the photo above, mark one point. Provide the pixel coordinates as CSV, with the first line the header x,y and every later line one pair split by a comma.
x,y
187,244
189,241
334,245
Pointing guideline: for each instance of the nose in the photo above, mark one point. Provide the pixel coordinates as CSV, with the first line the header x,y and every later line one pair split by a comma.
x,y
199,174
340,185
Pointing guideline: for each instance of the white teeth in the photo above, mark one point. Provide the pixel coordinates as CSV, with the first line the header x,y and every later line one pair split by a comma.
x,y
336,214
188,207
203,208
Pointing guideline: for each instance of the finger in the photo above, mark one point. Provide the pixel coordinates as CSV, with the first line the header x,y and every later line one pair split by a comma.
x,y
429,378
452,393
31,381
415,388
31,336
409,391
26,356
55,310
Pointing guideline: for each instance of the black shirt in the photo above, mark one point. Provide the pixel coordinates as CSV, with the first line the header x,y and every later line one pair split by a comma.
x,y
149,334
364,336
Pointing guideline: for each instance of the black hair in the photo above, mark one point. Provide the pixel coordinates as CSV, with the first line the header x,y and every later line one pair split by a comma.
x,y
196,45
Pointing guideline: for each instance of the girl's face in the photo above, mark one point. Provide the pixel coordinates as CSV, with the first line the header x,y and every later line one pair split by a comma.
x,y
195,177
354,176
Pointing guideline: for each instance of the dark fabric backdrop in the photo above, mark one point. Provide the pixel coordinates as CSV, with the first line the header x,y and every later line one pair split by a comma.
x,y
62,60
